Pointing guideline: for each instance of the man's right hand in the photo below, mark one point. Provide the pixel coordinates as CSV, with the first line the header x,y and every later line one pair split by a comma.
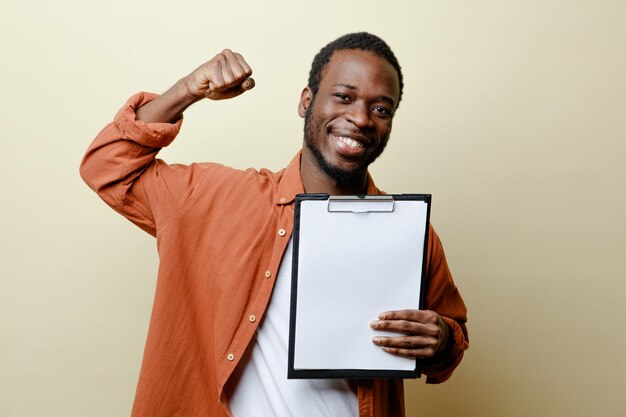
x,y
225,76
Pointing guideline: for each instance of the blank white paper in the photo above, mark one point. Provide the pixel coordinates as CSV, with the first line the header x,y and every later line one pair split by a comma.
x,y
352,266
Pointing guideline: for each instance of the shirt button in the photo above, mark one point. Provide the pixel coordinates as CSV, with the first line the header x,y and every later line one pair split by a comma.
x,y
282,199
230,357
252,318
268,274
281,232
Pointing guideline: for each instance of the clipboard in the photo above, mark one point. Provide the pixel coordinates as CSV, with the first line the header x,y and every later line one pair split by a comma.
x,y
354,257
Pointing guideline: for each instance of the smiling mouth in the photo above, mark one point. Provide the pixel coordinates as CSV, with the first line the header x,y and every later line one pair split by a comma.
x,y
349,142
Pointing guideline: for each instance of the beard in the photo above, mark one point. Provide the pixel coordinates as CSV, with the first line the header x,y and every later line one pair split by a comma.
x,y
343,177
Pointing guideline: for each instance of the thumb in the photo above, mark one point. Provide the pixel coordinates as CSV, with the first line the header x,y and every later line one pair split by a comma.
x,y
248,84
234,91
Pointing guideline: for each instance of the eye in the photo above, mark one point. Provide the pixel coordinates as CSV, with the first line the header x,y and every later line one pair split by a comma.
x,y
384,111
342,97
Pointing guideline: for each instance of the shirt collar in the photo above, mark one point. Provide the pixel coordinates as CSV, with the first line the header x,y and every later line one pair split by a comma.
x,y
291,183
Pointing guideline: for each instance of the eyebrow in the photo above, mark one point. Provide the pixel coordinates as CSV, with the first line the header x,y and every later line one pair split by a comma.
x,y
381,98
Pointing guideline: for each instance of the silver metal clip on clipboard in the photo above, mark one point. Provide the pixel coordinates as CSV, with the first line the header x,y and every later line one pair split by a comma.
x,y
361,204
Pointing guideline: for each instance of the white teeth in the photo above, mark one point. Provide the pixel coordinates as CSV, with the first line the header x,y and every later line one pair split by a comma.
x,y
350,142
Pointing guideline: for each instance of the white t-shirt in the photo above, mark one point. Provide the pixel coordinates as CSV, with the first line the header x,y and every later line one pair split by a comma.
x,y
262,388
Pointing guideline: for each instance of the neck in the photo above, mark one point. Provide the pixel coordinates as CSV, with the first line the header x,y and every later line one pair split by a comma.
x,y
315,180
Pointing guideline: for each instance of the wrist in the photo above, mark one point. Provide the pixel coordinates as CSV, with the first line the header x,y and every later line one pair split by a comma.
x,y
184,94
186,90
168,107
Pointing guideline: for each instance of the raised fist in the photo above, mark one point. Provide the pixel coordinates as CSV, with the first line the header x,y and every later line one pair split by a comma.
x,y
226,75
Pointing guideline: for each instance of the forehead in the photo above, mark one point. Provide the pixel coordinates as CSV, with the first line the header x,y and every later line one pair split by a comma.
x,y
364,70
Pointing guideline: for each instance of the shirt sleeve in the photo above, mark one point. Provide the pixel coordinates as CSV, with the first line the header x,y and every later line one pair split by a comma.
x,y
443,297
121,167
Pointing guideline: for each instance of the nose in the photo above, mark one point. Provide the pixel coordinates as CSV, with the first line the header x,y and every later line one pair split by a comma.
x,y
359,115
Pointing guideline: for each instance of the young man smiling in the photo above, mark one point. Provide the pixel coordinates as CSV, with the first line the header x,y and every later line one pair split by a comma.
x,y
347,122
217,343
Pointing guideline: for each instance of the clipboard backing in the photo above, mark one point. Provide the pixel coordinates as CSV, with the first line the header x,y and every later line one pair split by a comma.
x,y
354,257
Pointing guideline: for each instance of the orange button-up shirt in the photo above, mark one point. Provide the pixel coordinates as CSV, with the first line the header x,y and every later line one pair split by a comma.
x,y
221,234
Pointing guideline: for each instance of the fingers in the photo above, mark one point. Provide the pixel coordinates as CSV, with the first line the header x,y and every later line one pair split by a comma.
x,y
422,316
415,322
231,92
423,335
233,71
226,75
409,346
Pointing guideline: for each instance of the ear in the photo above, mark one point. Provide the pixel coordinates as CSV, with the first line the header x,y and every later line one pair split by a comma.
x,y
305,101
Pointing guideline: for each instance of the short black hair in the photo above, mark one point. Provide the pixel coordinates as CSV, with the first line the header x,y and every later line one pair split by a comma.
x,y
359,40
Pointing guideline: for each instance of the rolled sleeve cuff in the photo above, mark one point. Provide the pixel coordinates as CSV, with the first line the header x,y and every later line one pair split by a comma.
x,y
152,135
